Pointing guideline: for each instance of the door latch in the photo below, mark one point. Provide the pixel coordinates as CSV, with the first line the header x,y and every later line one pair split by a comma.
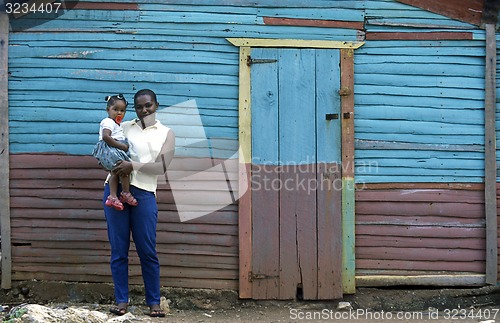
x,y
252,276
331,116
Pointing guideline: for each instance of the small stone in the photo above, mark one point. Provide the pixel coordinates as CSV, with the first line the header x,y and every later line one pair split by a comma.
x,y
345,306
165,304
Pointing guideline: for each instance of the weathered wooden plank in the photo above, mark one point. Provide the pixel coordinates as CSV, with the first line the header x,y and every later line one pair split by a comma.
x,y
422,186
419,254
409,279
134,279
421,195
307,12
419,36
266,233
23,235
297,146
418,219
363,145
4,154
466,10
451,266
414,22
186,261
446,211
275,21
303,203
288,254
414,242
265,197
63,247
348,198
329,222
294,43
77,5
244,176
100,269
422,231
490,163
328,178
63,224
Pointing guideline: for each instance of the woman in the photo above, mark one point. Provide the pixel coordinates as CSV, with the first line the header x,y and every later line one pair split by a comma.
x,y
151,150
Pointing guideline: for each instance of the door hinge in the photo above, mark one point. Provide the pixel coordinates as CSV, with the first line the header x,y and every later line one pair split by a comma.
x,y
251,60
252,276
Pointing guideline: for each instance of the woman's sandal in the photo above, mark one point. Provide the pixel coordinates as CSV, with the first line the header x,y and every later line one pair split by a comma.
x,y
114,202
120,309
126,197
156,311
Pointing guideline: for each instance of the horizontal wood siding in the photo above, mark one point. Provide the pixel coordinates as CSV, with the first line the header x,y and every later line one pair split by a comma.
x,y
419,231
418,119
418,103
60,69
59,230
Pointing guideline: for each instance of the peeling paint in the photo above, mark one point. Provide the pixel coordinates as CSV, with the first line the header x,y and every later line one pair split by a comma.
x,y
82,54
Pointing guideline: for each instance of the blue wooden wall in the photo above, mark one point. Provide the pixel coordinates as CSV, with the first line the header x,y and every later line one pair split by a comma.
x,y
62,69
419,104
416,101
418,117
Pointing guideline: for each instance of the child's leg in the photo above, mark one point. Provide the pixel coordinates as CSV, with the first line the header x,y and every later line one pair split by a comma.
x,y
113,200
125,195
125,180
113,185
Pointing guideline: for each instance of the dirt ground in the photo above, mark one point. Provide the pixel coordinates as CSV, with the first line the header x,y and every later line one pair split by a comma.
x,y
405,304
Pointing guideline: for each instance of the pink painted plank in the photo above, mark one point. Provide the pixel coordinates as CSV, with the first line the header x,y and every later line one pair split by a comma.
x,y
265,233
276,21
289,258
420,231
420,219
329,217
449,266
307,234
419,254
421,209
420,195
363,241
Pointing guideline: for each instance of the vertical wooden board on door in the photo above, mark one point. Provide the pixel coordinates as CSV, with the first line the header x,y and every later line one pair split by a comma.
x,y
329,216
297,136
265,198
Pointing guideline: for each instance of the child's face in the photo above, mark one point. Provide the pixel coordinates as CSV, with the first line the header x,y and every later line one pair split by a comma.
x,y
117,111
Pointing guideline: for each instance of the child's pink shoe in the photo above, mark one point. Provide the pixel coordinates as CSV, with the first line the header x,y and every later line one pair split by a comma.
x,y
114,202
126,197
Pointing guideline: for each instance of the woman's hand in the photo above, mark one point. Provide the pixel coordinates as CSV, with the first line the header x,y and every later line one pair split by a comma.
x,y
123,168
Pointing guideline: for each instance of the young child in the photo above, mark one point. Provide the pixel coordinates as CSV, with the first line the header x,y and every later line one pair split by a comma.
x,y
113,147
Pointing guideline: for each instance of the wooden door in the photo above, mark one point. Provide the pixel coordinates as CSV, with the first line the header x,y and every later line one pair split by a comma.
x,y
296,174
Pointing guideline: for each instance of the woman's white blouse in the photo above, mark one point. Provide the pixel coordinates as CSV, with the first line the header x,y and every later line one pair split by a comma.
x,y
145,146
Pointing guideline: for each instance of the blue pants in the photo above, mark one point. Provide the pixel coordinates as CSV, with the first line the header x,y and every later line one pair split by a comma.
x,y
141,221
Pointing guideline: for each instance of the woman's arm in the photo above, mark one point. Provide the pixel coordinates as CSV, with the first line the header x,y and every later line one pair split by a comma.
x,y
106,136
159,167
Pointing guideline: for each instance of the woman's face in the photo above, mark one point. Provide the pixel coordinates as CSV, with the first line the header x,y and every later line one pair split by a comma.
x,y
144,105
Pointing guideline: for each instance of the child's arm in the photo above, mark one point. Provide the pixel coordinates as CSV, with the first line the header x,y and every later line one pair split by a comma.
x,y
106,136
159,167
